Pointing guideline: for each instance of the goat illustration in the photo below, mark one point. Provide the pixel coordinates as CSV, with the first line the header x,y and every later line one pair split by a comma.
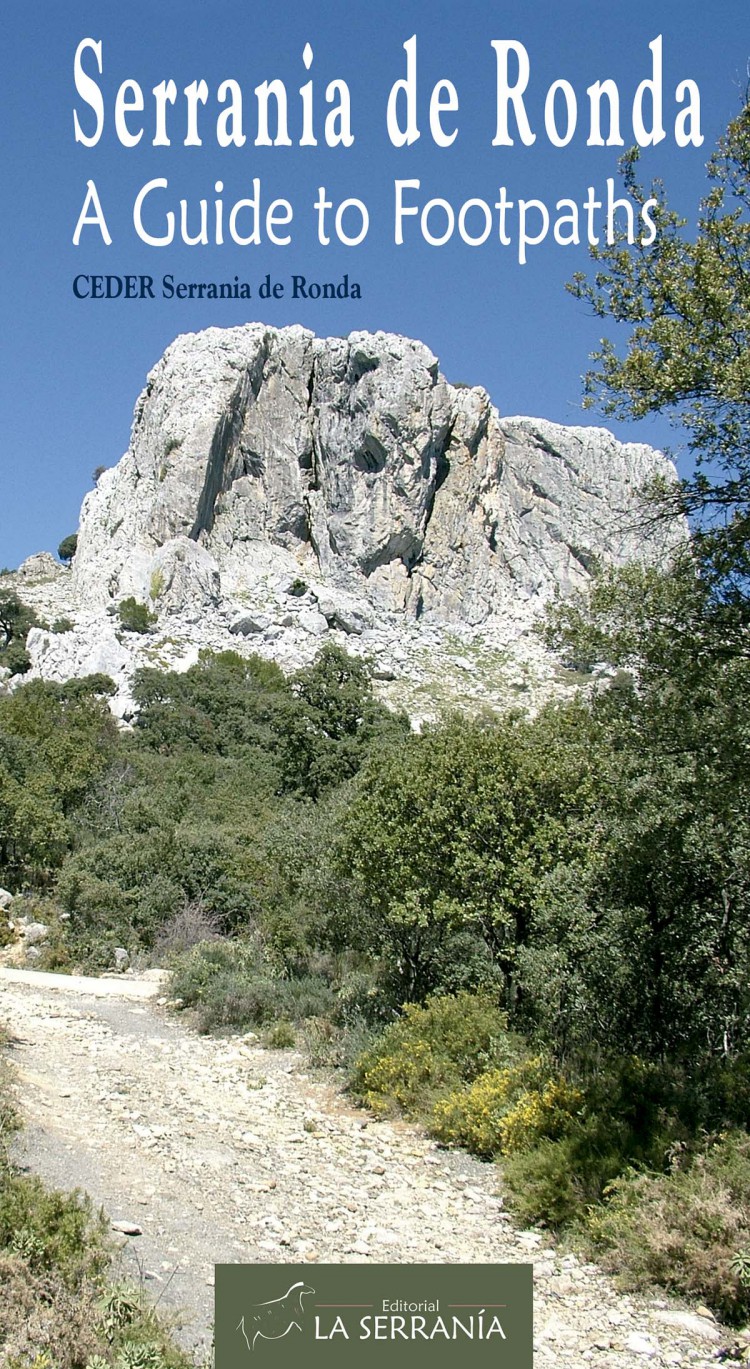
x,y
275,1319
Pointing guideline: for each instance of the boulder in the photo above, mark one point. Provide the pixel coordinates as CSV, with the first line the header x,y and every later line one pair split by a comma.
x,y
246,627
41,566
313,622
183,576
33,932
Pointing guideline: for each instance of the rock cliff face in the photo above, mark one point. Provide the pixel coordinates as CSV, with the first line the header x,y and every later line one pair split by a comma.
x,y
279,486
355,460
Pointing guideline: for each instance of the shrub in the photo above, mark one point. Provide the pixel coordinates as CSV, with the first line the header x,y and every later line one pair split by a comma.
x,y
323,1043
281,1036
241,999
231,984
687,1229
194,972
628,1115
156,584
8,934
43,1325
361,1001
508,1110
307,995
10,1120
548,1186
190,926
100,916
16,658
135,617
62,625
68,547
431,1050
52,1230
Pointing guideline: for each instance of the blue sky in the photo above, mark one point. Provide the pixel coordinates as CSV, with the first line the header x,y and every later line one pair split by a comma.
x,y
71,370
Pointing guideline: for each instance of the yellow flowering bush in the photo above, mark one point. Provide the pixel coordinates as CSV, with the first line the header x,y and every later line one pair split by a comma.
x,y
399,1080
508,1110
431,1050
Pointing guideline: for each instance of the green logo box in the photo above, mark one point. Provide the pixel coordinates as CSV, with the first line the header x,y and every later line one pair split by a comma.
x,y
403,1316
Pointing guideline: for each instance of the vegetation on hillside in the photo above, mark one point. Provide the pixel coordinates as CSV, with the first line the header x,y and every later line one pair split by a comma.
x,y
15,622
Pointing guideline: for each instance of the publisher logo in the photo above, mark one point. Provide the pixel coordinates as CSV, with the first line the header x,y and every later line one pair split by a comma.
x,y
276,1317
391,1316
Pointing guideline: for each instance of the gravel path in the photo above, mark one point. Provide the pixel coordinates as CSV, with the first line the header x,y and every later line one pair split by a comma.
x,y
222,1151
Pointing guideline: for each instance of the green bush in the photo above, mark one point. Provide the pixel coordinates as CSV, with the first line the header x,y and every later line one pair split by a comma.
x,y
135,617
432,1050
16,658
68,547
231,984
10,1120
629,1114
51,1230
554,1183
362,1002
8,934
194,972
687,1229
281,1036
546,1185
238,999
156,584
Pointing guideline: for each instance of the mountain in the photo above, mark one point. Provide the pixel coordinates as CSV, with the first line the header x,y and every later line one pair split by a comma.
x,y
280,489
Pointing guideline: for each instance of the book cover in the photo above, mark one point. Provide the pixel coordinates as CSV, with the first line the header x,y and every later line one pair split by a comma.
x,y
373,674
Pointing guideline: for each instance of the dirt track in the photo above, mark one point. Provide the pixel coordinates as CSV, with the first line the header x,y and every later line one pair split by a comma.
x,y
222,1151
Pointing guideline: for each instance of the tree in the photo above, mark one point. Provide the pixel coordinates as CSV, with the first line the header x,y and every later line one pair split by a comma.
x,y
448,834
664,965
331,722
55,743
15,621
687,305
68,547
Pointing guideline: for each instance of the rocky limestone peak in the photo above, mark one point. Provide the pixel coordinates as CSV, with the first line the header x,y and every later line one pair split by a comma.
x,y
265,459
